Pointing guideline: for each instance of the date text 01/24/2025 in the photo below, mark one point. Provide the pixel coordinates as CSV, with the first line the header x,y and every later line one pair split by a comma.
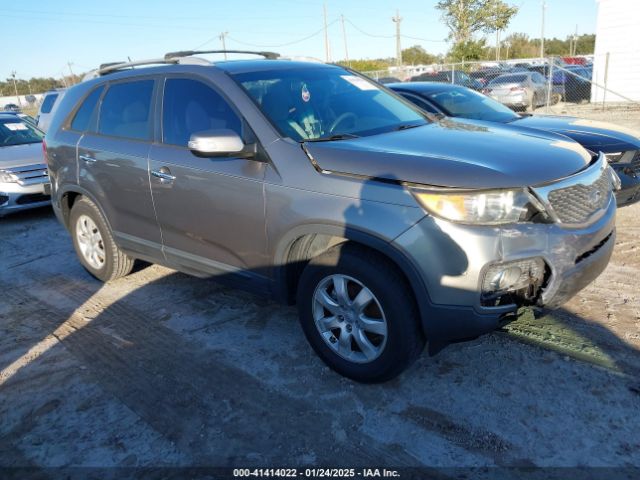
x,y
315,473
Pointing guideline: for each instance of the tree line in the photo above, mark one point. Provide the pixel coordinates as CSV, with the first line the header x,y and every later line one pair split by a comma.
x,y
514,46
35,85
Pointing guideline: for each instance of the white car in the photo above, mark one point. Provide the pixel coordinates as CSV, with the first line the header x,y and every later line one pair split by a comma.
x,y
24,180
48,106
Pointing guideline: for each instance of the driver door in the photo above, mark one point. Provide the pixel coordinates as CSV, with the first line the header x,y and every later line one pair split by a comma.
x,y
210,210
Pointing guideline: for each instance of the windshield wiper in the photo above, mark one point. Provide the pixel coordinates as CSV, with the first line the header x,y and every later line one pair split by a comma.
x,y
338,136
407,126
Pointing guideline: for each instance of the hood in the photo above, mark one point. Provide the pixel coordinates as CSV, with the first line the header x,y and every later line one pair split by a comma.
x,y
455,154
591,134
20,155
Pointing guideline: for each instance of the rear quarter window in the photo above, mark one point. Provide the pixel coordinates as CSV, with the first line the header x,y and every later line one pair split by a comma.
x,y
48,102
84,114
126,110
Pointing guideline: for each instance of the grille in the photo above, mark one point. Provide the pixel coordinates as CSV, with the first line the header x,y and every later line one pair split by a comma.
x,y
577,203
29,174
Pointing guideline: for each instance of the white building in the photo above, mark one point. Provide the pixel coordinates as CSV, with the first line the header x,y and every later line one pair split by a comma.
x,y
617,54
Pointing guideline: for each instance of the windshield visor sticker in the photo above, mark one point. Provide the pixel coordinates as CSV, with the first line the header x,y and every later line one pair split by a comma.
x,y
359,83
14,127
306,94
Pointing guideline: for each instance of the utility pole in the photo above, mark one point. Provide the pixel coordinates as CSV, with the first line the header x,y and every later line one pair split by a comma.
x,y
15,87
224,45
344,37
544,9
575,42
397,19
71,72
326,34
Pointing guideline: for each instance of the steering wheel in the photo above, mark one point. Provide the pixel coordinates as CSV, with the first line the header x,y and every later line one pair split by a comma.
x,y
341,118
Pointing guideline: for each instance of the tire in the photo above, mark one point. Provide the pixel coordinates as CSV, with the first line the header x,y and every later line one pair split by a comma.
x,y
534,103
115,263
392,303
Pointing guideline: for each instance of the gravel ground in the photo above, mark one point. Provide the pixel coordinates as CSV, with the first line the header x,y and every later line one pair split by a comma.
x,y
162,369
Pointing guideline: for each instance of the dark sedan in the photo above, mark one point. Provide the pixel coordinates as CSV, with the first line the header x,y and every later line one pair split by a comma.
x,y
620,145
454,77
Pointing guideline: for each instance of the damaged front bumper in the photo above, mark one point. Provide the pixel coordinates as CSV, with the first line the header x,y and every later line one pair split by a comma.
x,y
455,261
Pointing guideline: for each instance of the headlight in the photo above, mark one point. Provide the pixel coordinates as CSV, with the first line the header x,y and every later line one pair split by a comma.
x,y
6,177
482,207
620,157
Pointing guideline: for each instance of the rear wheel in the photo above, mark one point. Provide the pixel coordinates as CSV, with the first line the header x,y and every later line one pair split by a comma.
x,y
534,102
358,314
94,245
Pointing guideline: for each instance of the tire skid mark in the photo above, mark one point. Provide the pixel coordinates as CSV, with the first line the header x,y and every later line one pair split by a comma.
x,y
472,439
193,398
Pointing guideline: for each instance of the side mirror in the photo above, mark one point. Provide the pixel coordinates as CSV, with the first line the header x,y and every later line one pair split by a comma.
x,y
219,143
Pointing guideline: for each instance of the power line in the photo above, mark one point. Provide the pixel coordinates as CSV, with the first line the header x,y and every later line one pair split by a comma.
x,y
366,33
156,17
423,39
314,34
391,36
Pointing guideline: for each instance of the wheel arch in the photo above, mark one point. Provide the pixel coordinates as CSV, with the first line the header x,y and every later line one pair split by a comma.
x,y
69,196
308,241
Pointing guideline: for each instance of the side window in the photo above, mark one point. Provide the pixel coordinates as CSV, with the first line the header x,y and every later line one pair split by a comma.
x,y
125,110
84,114
419,102
47,103
190,106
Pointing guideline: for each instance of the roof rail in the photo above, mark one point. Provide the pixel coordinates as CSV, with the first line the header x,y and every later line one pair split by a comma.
x,y
106,68
188,53
111,67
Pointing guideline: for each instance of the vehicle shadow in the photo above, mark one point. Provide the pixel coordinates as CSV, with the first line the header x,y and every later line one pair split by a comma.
x,y
163,369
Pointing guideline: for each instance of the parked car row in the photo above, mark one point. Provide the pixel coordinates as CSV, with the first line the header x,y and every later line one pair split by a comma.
x,y
315,185
522,85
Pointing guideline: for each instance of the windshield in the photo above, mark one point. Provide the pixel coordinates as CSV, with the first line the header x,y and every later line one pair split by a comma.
x,y
474,105
323,103
13,131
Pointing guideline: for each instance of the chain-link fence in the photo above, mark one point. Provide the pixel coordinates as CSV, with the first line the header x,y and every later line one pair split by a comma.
x,y
569,85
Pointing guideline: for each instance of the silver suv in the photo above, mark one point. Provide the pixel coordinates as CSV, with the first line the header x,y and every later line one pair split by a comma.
x,y
313,184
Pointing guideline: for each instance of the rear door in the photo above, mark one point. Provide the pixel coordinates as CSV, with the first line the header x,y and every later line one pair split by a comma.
x,y
113,163
210,210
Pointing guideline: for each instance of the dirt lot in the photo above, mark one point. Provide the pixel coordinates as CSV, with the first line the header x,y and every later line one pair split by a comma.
x,y
161,369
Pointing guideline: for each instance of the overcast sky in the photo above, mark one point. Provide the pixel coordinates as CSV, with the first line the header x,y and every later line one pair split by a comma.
x,y
39,37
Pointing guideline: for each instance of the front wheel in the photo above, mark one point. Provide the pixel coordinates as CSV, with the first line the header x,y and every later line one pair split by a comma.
x,y
358,314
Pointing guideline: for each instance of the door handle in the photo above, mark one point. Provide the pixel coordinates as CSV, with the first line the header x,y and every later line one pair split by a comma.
x,y
88,159
164,175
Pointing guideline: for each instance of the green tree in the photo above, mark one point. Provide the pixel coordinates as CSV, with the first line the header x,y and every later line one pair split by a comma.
x,y
464,18
417,55
367,65
469,50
